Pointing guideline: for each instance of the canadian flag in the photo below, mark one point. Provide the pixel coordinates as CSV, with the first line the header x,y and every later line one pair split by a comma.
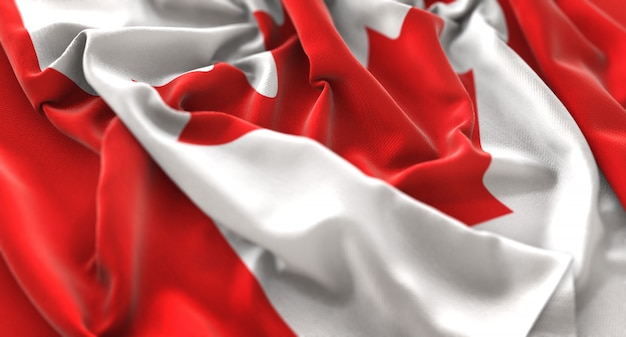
x,y
314,168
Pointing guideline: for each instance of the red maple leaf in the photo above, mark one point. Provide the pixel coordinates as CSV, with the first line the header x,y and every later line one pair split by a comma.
x,y
407,119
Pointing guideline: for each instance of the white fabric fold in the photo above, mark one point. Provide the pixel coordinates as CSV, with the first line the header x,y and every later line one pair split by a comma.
x,y
542,167
337,246
337,252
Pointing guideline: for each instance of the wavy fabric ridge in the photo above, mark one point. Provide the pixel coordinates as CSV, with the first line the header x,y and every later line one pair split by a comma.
x,y
282,167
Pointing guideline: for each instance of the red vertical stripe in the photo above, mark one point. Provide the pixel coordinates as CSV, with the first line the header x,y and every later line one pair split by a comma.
x,y
578,52
102,242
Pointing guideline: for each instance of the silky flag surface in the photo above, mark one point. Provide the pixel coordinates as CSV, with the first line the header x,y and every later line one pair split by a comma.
x,y
313,168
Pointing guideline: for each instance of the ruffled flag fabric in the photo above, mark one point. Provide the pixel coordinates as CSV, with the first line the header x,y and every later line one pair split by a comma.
x,y
313,168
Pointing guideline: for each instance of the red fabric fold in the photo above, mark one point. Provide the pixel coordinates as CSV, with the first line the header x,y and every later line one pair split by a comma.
x,y
578,49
